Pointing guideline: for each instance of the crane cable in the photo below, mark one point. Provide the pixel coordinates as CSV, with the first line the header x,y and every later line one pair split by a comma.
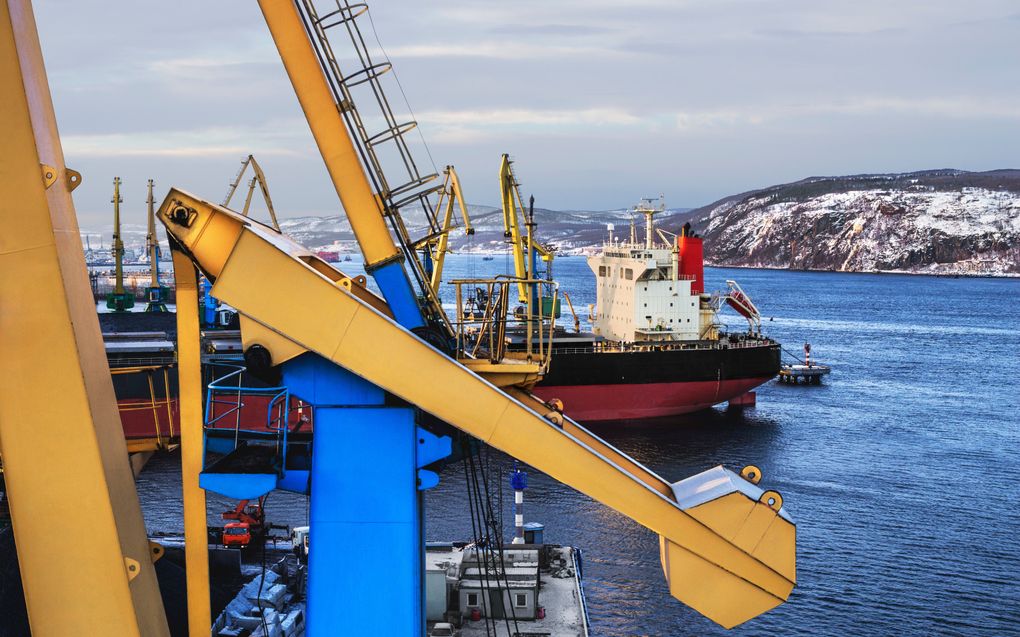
x,y
493,534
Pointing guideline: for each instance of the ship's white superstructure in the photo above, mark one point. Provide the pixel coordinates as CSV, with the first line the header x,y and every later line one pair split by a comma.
x,y
643,292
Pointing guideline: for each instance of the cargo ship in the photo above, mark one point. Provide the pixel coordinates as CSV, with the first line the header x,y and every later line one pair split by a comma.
x,y
656,348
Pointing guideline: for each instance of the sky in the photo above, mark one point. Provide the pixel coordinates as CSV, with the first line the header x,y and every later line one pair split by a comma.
x,y
599,102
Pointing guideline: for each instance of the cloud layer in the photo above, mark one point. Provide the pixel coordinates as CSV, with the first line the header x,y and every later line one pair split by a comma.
x,y
600,102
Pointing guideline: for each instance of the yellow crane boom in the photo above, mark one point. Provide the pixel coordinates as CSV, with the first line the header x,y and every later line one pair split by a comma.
x,y
437,247
514,230
60,430
730,561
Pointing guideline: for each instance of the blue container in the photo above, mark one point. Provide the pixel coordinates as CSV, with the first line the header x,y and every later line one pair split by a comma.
x,y
533,533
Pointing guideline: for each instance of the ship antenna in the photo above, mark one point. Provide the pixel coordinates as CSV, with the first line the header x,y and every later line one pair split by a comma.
x,y
648,210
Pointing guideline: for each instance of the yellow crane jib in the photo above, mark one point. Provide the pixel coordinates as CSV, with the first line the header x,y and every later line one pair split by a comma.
x,y
436,247
258,178
522,242
727,547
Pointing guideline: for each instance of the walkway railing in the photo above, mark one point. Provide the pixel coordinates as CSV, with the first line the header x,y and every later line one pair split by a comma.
x,y
153,404
229,403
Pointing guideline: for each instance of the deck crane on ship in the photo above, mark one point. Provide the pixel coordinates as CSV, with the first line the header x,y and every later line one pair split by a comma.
x,y
359,361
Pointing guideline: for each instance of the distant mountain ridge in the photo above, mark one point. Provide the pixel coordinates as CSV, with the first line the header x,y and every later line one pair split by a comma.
x,y
567,230
935,221
942,221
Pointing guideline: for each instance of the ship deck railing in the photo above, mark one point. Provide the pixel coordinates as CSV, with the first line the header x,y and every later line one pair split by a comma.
x,y
663,346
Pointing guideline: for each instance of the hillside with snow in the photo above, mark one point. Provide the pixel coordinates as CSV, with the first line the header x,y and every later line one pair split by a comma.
x,y
933,222
566,230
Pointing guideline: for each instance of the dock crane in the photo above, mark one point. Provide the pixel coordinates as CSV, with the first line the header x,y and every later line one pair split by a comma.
x,y
259,178
376,383
157,293
434,248
119,300
522,242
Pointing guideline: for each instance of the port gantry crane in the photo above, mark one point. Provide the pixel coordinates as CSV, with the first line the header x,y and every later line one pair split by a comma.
x,y
435,248
522,242
119,300
157,293
375,381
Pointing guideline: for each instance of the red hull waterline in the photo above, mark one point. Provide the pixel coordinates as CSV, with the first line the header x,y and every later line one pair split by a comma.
x,y
595,403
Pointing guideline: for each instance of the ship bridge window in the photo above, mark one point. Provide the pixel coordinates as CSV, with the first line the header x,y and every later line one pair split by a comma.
x,y
602,271
628,274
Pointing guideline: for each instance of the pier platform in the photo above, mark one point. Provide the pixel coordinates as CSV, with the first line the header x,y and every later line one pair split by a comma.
x,y
806,374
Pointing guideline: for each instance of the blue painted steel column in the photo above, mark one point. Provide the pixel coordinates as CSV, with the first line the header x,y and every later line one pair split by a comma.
x,y
365,563
396,288
209,304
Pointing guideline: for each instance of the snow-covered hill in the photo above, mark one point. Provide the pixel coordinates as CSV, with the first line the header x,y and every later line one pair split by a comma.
x,y
946,222
568,230
937,221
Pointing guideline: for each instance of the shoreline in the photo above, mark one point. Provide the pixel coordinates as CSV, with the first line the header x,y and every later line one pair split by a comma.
x,y
936,275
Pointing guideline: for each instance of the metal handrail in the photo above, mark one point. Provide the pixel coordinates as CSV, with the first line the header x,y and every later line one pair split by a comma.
x,y
480,322
279,401
659,345
152,404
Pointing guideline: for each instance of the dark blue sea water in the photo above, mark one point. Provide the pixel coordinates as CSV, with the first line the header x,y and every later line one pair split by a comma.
x,y
902,471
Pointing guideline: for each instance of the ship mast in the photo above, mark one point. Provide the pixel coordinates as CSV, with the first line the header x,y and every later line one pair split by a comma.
x,y
649,210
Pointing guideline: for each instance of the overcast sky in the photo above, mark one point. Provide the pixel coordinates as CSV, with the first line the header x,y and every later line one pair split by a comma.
x,y
599,101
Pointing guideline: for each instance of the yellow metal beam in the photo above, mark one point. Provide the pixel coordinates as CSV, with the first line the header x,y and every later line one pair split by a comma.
x,y
511,222
189,380
449,195
256,273
513,209
60,431
363,208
